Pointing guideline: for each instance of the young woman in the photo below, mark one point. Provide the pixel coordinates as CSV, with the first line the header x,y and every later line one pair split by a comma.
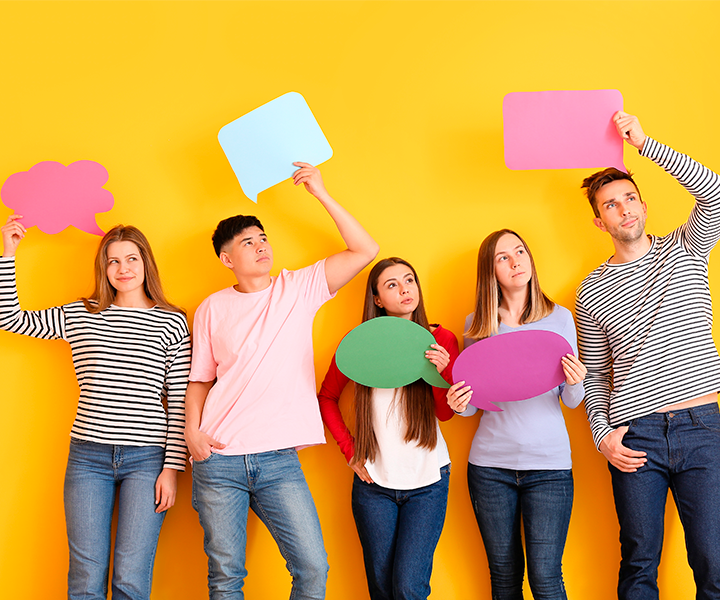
x,y
520,467
401,462
131,352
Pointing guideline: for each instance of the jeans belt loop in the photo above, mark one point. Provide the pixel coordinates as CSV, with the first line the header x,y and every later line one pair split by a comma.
x,y
693,416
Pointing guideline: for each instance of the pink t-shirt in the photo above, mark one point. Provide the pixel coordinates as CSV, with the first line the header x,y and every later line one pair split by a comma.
x,y
259,346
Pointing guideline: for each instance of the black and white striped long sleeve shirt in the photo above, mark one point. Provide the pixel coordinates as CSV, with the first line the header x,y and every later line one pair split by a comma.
x,y
645,327
127,362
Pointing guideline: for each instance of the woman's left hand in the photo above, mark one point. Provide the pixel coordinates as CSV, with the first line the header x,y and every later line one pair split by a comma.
x,y
574,370
439,357
165,489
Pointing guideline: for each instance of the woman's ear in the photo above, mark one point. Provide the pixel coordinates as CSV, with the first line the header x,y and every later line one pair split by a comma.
x,y
377,301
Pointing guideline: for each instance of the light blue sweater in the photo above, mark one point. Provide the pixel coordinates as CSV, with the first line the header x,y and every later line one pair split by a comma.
x,y
530,434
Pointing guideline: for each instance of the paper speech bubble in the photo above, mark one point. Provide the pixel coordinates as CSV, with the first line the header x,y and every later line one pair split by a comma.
x,y
53,196
562,130
263,144
512,366
388,352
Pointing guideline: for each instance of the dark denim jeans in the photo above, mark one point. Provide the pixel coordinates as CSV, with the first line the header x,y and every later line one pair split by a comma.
x,y
273,485
399,530
95,473
683,452
543,500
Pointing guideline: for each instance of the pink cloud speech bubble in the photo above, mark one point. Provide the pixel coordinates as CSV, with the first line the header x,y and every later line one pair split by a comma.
x,y
562,130
512,366
53,196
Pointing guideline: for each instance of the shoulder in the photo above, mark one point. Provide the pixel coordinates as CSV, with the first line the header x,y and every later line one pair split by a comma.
x,y
441,334
304,274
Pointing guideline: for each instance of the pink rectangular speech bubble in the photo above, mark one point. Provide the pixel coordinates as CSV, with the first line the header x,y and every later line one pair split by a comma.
x,y
562,130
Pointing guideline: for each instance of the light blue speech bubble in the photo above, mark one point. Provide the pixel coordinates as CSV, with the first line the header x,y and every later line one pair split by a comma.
x,y
263,144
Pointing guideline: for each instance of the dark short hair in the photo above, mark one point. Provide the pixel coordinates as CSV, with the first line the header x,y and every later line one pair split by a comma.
x,y
597,180
228,228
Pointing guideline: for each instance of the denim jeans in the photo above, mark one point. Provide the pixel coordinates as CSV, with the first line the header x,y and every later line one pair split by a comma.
x,y
399,530
274,486
543,500
683,455
94,474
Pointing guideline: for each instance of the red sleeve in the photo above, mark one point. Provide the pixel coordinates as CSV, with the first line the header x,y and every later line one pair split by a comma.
x,y
447,340
328,397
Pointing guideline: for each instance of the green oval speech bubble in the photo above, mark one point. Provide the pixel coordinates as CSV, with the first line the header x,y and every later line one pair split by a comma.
x,y
388,352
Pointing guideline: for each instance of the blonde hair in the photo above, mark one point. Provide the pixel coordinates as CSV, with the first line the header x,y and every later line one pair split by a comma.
x,y
486,317
104,293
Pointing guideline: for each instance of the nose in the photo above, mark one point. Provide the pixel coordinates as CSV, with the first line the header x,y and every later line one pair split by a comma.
x,y
403,290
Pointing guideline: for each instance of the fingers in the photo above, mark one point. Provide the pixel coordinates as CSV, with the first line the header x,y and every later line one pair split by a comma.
x,y
165,492
620,456
215,444
458,396
12,233
574,370
361,471
439,357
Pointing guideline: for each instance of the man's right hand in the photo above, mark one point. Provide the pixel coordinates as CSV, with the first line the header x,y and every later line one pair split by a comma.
x,y
201,444
628,128
621,457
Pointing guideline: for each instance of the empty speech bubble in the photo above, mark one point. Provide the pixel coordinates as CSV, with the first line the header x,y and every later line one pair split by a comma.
x,y
512,366
263,144
388,352
562,130
53,196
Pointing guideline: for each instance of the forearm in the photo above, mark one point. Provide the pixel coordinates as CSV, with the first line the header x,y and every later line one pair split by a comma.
x,y
329,400
195,397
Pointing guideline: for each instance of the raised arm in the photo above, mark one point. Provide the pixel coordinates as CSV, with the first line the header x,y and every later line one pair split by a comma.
x,y
45,324
361,249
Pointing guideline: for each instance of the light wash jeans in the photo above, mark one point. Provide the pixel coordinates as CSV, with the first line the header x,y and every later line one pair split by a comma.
x,y
399,530
94,474
274,486
683,455
543,500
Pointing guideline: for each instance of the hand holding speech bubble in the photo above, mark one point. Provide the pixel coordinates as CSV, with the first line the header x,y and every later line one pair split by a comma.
x,y
512,366
263,144
53,196
562,130
388,352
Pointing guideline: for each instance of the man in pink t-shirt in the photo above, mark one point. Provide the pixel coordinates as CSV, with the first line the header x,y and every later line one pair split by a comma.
x,y
251,398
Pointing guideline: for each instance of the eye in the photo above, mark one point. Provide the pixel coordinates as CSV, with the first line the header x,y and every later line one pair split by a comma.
x,y
112,261
410,280
502,258
521,251
391,285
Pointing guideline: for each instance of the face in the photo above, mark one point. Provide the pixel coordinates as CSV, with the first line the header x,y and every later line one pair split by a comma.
x,y
622,213
125,267
249,254
398,291
513,269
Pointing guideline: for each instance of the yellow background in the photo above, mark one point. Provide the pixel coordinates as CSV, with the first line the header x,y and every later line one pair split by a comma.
x,y
409,95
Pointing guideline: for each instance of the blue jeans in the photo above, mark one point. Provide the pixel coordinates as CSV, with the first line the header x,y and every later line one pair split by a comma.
x,y
274,486
94,474
543,500
399,530
683,455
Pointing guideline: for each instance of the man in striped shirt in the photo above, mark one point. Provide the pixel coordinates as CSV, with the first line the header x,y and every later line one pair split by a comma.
x,y
645,335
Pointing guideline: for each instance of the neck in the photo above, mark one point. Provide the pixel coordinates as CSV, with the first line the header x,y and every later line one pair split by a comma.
x,y
247,285
136,299
629,251
512,306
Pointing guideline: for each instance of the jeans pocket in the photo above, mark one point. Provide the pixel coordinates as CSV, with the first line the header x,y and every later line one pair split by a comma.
x,y
204,460
710,422
76,442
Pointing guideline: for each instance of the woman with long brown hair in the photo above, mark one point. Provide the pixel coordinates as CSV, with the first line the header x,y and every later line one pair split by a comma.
x,y
519,467
400,459
131,353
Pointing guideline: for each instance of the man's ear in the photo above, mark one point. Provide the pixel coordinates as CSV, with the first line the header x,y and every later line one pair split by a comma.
x,y
597,221
226,260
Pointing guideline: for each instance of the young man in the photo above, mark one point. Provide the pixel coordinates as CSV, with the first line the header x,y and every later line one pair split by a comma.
x,y
645,335
251,400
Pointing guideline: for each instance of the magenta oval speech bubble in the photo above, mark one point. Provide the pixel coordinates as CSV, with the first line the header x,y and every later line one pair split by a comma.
x,y
53,196
512,366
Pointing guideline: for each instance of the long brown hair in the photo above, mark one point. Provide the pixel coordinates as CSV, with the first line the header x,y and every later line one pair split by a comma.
x,y
417,405
104,293
486,318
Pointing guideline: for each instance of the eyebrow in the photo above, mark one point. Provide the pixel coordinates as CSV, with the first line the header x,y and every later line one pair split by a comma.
x,y
505,252
625,195
396,278
247,239
126,256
